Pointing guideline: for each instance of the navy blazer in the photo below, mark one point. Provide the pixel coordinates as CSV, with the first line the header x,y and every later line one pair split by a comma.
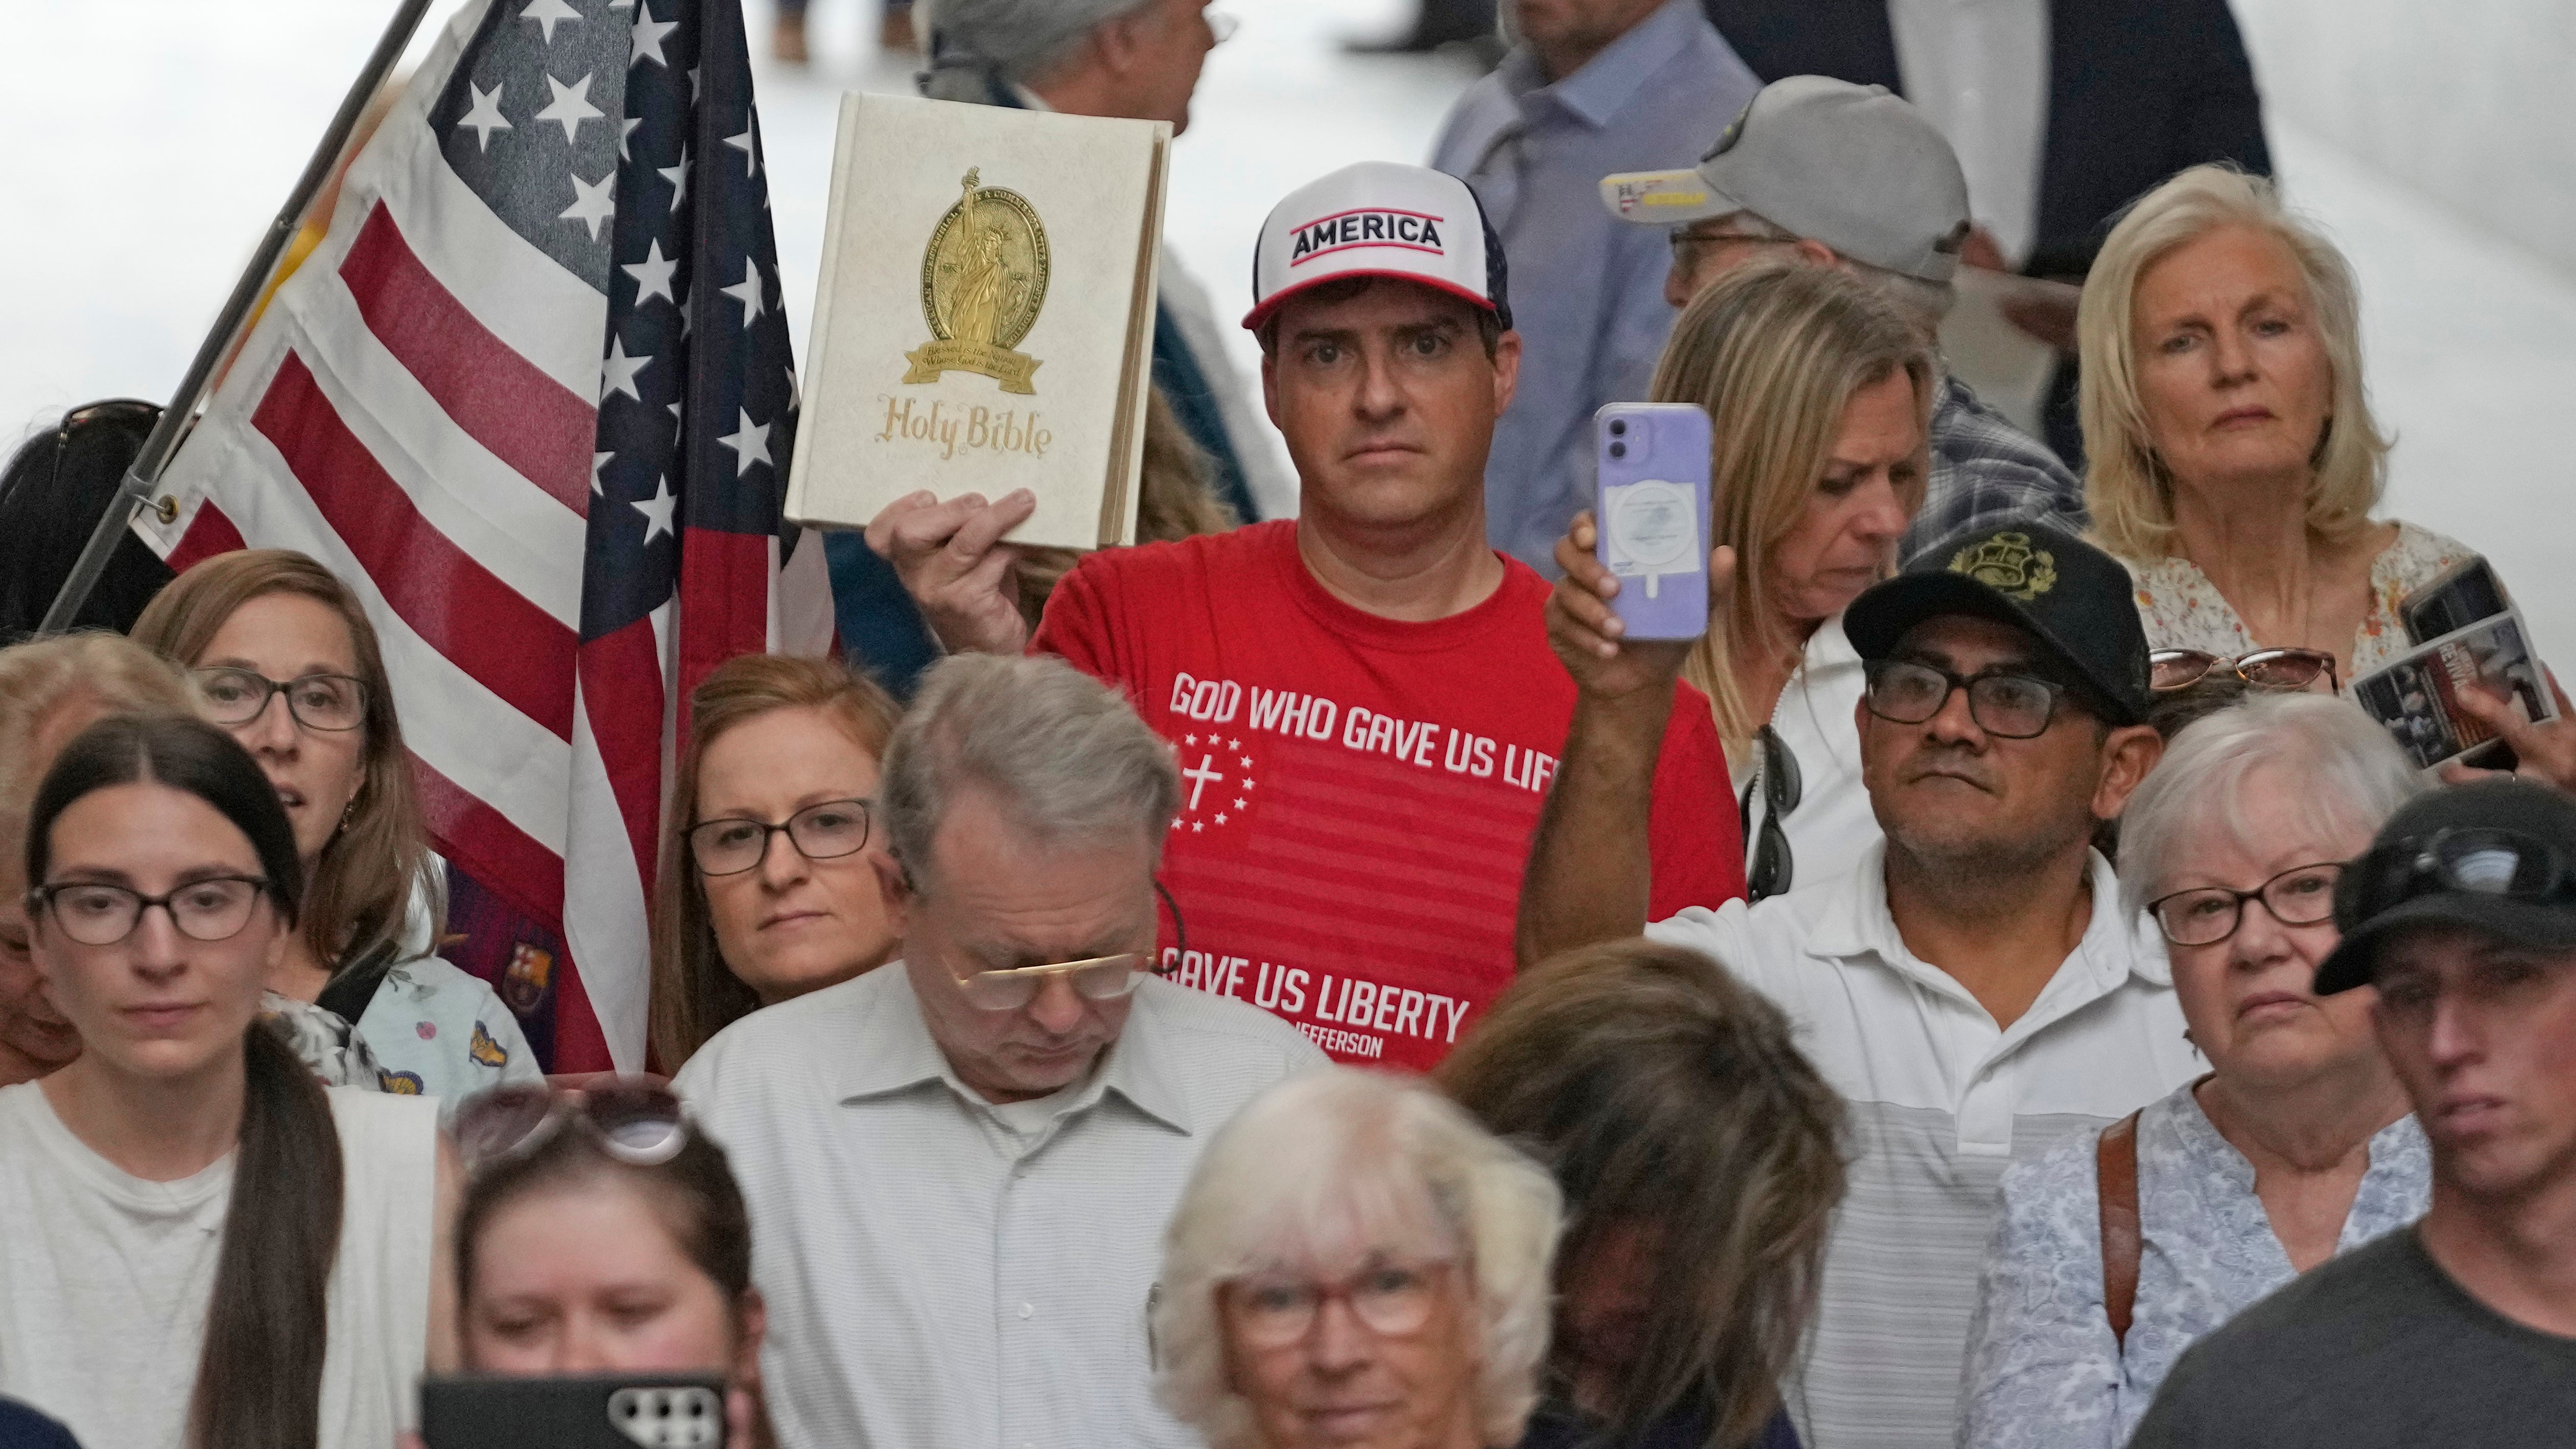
x,y
2138,90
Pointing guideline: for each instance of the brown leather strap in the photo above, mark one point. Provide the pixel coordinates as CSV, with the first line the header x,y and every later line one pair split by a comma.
x,y
2116,1168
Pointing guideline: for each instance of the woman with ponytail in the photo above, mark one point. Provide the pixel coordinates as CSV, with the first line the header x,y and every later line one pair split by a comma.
x,y
207,1249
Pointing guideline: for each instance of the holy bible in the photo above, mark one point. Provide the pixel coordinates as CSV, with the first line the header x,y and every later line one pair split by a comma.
x,y
985,316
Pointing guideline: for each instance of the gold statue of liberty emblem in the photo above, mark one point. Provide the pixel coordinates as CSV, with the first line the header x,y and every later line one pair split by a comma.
x,y
983,278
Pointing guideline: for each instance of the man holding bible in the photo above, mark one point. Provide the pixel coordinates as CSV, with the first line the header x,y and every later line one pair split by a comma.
x,y
1362,700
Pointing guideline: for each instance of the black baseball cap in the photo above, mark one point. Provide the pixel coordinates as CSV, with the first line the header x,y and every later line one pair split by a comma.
x,y
2496,855
2073,598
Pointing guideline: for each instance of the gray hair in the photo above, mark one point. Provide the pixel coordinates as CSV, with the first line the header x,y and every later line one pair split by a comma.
x,y
1012,39
1060,753
1332,1165
2341,767
1924,303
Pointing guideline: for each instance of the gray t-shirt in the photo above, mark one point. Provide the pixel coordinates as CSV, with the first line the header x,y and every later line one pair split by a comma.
x,y
2377,1348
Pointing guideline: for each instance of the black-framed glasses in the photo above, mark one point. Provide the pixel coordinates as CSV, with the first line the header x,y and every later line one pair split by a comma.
x,y
2008,706
1275,1309
94,913
733,844
1772,867
638,1120
2474,860
2284,669
2303,895
329,702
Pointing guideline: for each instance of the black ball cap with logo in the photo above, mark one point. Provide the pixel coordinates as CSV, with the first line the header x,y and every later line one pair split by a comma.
x,y
2071,597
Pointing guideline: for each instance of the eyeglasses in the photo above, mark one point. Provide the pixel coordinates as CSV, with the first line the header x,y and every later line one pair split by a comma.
x,y
2008,706
637,1120
734,844
2303,895
2473,860
1689,244
331,702
1274,1310
2289,669
1782,787
1094,978
94,913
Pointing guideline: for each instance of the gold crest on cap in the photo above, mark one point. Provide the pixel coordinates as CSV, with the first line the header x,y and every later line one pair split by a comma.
x,y
2008,564
983,278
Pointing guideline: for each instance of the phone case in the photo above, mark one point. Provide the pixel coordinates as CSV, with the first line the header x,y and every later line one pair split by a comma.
x,y
1653,510
607,1411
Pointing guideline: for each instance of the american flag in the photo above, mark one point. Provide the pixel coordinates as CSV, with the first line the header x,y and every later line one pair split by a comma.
x,y
533,398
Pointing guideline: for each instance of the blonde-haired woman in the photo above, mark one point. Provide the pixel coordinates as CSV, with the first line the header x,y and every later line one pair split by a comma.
x,y
2234,459
768,884
51,690
1819,392
282,655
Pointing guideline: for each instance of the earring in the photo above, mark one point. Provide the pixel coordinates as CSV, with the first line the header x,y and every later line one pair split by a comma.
x,y
347,813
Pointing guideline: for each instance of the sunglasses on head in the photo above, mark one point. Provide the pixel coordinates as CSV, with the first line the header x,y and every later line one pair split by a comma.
x,y
638,1120
2499,864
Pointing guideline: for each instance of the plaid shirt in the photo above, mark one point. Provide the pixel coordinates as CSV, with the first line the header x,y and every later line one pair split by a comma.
x,y
1985,470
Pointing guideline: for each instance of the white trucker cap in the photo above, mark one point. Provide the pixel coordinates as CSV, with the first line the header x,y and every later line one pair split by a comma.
x,y
1379,219
1854,167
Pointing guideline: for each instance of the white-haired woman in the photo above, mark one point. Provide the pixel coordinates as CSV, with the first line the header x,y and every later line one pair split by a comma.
x,y
2117,1249
1356,1263
2234,462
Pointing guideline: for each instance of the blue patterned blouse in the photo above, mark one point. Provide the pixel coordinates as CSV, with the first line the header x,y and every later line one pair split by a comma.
x,y
2043,1369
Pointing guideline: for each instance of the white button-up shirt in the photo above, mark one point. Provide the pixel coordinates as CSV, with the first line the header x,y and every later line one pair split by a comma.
x,y
936,1279
1979,70
1941,1100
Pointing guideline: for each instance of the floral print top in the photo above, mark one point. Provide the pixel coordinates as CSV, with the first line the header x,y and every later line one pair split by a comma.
x,y
2182,609
323,1040
2043,1369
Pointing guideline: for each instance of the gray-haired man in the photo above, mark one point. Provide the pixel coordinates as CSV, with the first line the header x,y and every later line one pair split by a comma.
x,y
1853,177
959,1165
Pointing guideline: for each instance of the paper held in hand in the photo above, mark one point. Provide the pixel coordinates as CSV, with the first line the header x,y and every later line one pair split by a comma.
x,y
984,319
2468,636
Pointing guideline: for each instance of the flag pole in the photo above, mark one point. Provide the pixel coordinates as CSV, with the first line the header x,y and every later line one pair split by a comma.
x,y
145,473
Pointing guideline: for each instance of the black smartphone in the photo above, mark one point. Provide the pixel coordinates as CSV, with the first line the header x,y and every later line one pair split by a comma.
x,y
2464,594
598,1411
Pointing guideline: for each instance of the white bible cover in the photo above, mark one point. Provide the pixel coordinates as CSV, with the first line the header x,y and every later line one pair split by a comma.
x,y
985,316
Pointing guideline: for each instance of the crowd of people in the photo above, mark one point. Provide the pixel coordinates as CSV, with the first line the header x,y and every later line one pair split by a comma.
x,y
1317,981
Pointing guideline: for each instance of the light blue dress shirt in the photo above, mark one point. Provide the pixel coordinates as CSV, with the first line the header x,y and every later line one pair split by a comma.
x,y
2043,1369
1587,290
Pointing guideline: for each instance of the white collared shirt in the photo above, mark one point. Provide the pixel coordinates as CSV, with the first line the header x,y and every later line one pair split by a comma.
x,y
1832,826
933,1276
1941,1101
1979,70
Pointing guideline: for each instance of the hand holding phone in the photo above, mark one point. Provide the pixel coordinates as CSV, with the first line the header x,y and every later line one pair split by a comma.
x,y
1653,515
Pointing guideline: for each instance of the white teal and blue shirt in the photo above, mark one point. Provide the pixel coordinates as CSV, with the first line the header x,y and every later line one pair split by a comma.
x,y
1941,1101
1587,289
2043,1369
438,1031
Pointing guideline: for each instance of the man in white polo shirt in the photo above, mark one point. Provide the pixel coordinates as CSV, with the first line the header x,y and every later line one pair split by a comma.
x,y
1972,989
959,1165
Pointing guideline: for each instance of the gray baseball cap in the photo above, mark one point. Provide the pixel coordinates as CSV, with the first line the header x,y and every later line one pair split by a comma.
x,y
1854,167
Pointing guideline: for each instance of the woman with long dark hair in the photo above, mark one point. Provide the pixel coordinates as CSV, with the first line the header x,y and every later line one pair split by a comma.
x,y
283,656
205,1247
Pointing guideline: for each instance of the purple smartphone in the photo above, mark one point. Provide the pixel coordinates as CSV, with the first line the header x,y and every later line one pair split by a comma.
x,y
1652,504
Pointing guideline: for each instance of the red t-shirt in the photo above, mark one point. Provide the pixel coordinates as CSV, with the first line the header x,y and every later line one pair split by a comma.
x,y
1358,793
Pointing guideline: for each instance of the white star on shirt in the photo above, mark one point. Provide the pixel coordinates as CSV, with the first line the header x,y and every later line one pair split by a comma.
x,y
1197,825
747,291
625,131
1220,817
548,14
678,176
657,509
570,107
591,203
1247,761
653,275
485,117
617,371
750,444
795,394
597,462
648,36
1239,804
1189,739
1234,744
745,144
